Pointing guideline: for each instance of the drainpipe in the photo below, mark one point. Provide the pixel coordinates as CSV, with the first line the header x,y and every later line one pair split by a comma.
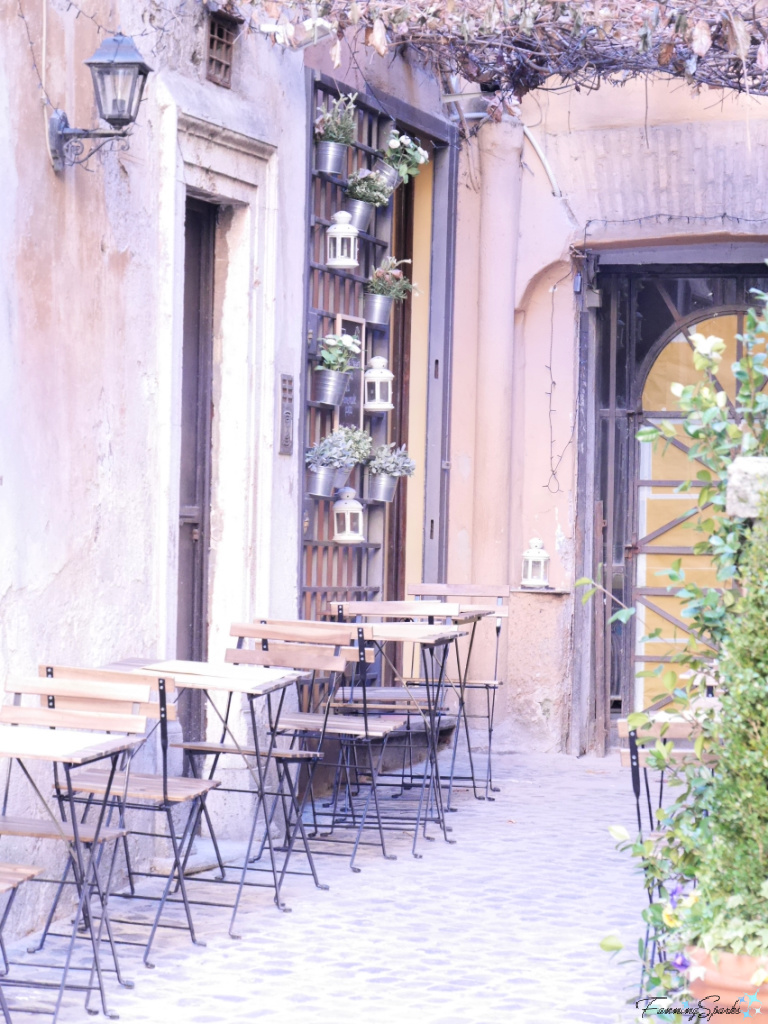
x,y
500,149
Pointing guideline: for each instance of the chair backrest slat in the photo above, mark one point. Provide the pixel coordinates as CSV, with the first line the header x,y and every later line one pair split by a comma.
x,y
13,714
112,677
298,656
339,634
458,590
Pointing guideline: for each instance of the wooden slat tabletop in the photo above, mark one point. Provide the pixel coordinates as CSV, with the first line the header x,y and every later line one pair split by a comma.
x,y
73,746
412,610
414,633
208,675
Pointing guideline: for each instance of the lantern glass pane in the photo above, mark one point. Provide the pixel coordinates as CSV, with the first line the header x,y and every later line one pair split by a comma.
x,y
340,522
536,570
370,391
385,386
116,94
331,247
354,522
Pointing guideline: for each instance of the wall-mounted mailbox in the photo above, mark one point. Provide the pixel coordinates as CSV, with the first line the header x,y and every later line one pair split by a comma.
x,y
286,414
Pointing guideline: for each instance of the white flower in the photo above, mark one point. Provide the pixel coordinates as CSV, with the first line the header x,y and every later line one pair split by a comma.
x,y
422,156
721,399
394,143
677,389
406,140
711,346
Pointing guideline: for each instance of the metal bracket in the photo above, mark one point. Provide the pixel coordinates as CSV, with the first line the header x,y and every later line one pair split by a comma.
x,y
65,144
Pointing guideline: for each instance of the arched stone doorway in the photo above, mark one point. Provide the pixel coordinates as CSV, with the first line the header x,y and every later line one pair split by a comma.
x,y
646,321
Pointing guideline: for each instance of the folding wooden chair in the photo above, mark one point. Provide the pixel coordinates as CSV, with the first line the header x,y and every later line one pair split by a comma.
x,y
480,595
157,792
71,706
326,650
11,877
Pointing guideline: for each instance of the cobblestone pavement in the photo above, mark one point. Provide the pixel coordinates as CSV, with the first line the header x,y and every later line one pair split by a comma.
x,y
501,928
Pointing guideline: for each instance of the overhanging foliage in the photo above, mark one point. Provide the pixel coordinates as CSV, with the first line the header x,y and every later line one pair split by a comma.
x,y
517,47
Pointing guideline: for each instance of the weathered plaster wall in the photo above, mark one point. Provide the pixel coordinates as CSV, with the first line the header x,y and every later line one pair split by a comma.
x,y
90,307
660,167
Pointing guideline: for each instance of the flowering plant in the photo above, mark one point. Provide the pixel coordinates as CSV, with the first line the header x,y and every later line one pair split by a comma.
x,y
369,187
391,461
388,279
713,833
404,154
336,122
336,352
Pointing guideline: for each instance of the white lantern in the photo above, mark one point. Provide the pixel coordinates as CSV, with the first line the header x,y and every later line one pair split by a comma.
x,y
341,242
535,564
378,386
347,518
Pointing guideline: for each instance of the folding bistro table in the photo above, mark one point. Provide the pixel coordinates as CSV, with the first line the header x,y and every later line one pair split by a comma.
x,y
66,749
457,614
251,681
434,642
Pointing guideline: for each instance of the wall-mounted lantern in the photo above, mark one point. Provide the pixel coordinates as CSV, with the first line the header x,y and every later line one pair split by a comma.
x,y
119,75
535,565
378,385
341,242
347,518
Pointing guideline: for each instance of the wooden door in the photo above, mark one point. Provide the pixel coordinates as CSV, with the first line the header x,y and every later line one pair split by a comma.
x,y
195,472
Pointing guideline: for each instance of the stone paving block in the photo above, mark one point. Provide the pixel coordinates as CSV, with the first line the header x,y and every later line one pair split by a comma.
x,y
502,927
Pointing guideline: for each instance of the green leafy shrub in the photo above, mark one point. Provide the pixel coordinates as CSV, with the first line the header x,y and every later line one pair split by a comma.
x,y
388,279
391,461
369,187
338,121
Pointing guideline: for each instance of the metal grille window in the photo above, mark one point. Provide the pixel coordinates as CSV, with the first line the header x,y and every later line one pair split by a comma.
x,y
338,572
222,32
643,521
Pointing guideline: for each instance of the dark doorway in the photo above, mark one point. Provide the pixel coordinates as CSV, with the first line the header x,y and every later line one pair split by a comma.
x,y
195,475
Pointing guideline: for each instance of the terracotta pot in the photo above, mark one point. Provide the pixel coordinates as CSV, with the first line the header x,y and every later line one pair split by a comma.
x,y
729,978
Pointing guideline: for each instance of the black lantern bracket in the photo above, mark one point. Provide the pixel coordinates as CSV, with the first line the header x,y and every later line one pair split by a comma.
x,y
119,75
66,144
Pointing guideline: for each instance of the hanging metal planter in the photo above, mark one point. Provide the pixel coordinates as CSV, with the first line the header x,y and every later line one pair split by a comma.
x,y
388,173
381,486
360,212
377,308
330,157
329,386
322,482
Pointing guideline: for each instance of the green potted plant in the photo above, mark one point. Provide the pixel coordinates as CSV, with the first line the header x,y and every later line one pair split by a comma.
x,y
366,190
725,928
335,130
330,461
401,159
388,463
331,374
706,864
387,284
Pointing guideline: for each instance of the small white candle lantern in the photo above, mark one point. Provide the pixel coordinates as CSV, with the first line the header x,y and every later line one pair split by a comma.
x,y
347,518
341,242
378,386
535,565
